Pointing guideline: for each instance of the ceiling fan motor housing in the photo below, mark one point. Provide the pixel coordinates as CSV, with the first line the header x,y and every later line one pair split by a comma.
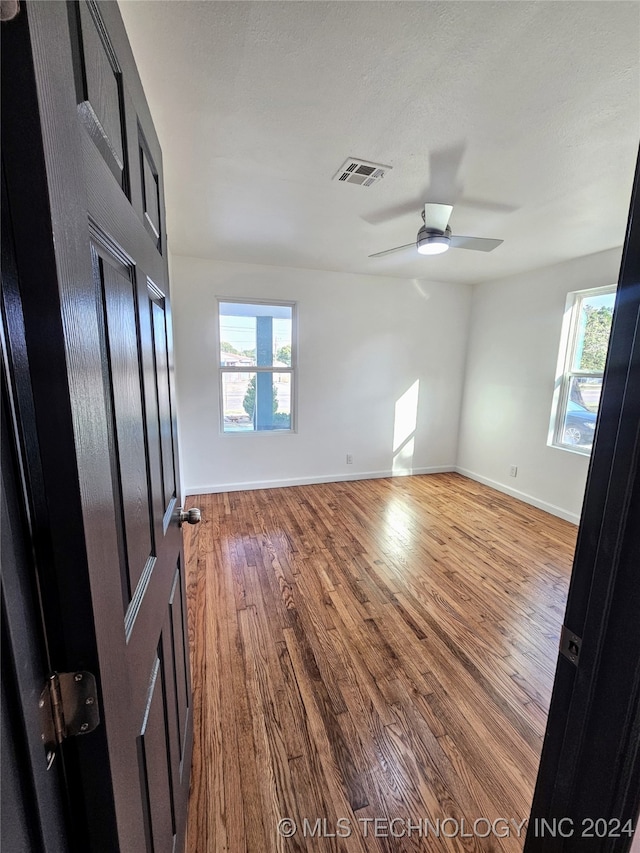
x,y
432,241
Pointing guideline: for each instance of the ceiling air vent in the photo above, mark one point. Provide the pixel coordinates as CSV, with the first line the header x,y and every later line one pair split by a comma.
x,y
354,171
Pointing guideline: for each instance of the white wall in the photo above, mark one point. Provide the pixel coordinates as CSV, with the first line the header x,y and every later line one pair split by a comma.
x,y
511,365
363,343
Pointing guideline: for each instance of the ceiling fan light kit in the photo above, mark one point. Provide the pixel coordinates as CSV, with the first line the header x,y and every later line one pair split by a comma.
x,y
431,242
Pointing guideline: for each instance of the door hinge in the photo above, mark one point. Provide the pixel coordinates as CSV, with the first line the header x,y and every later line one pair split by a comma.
x,y
570,645
68,707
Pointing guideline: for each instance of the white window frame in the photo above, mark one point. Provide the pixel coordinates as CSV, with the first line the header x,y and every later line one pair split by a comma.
x,y
292,371
565,371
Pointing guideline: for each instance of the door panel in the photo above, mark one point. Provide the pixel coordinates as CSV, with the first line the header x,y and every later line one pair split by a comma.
x,y
163,729
157,304
129,446
98,81
150,190
179,660
155,763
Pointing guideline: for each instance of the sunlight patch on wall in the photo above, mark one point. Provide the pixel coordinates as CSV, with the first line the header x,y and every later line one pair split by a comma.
x,y
404,427
403,459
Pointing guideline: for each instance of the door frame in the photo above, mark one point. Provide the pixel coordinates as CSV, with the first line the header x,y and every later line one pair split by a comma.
x,y
35,810
590,763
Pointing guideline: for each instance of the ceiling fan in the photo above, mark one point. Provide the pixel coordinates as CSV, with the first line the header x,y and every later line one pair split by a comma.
x,y
435,235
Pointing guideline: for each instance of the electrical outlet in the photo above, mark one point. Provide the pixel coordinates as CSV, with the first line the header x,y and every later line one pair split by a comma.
x,y
513,471
349,459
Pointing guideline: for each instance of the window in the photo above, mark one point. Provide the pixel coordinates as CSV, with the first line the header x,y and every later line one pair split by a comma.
x,y
257,365
583,351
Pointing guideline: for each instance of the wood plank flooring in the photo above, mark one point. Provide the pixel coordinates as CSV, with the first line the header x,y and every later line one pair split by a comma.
x,y
377,649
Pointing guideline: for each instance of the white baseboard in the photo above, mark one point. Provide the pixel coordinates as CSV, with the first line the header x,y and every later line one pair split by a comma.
x,y
521,496
208,489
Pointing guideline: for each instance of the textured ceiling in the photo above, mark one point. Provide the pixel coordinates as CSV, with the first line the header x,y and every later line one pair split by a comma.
x,y
523,114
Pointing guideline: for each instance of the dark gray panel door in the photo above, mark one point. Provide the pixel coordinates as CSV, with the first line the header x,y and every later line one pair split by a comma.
x,y
102,377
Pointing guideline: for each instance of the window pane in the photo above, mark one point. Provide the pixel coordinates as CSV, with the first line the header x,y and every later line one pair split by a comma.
x,y
237,340
255,334
256,401
585,391
582,408
594,326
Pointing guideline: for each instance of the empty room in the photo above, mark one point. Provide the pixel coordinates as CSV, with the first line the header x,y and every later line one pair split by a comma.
x,y
320,426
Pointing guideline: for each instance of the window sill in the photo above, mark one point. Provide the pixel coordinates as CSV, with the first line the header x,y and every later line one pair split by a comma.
x,y
259,432
580,451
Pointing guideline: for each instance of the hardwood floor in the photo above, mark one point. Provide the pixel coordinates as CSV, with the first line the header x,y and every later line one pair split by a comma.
x,y
377,649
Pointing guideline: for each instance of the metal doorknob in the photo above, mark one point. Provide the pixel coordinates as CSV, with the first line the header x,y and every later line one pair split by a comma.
x,y
189,516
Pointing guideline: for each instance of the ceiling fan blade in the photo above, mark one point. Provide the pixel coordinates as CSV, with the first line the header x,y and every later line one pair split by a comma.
x,y
444,166
483,204
396,249
481,244
395,211
444,169
437,216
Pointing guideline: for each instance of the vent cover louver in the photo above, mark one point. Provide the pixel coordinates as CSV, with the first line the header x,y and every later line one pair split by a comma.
x,y
362,172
